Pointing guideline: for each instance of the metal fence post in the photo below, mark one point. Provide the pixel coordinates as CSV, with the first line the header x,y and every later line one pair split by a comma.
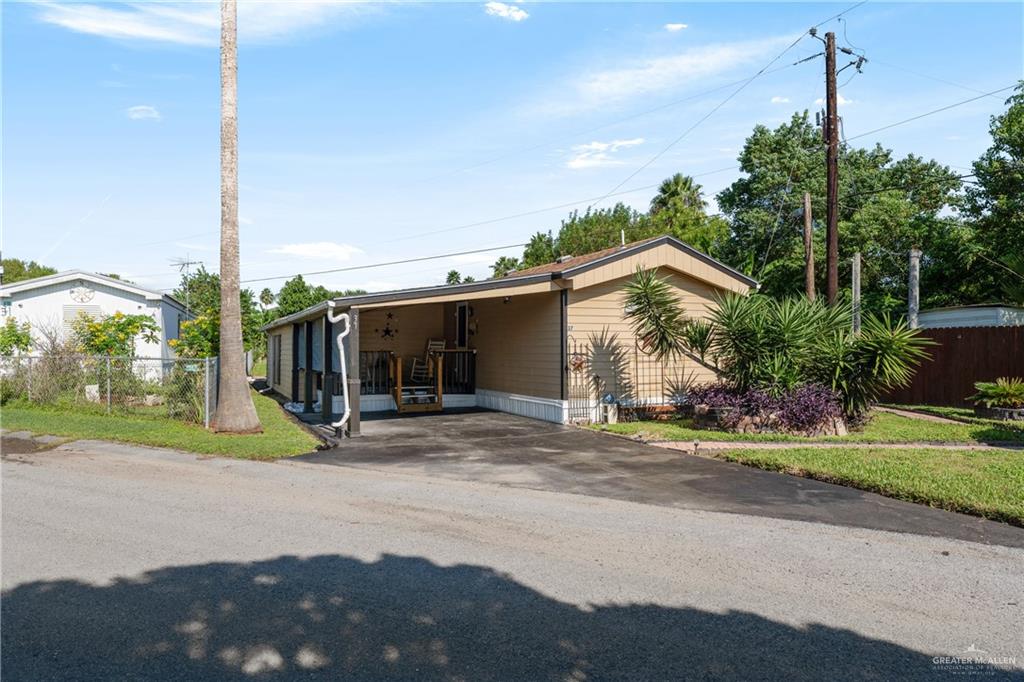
x,y
108,384
206,393
29,378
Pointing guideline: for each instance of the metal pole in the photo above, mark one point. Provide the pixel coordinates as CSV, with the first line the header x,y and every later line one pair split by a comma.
x,y
914,283
832,167
108,384
856,293
206,393
808,247
29,378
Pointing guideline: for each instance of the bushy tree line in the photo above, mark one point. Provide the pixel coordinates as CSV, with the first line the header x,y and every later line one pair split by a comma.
x,y
970,227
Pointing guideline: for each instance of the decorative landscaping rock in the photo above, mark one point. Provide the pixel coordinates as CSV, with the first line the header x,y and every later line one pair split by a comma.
x,y
1001,413
721,418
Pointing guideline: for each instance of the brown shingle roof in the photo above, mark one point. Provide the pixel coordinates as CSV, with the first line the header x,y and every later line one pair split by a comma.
x,y
576,261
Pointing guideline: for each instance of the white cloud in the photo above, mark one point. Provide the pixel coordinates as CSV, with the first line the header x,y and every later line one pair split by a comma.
x,y
319,250
655,75
780,100
594,154
509,12
143,112
841,101
196,23
675,27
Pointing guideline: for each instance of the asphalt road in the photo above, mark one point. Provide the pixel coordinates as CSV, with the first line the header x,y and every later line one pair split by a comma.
x,y
125,563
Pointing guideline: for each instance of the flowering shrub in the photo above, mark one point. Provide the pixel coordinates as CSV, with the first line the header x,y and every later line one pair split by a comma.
x,y
800,410
114,334
807,407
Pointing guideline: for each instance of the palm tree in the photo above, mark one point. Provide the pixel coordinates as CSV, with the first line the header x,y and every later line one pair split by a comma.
x,y
266,297
678,190
235,411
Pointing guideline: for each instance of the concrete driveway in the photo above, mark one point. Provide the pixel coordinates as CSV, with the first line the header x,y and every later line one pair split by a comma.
x,y
494,447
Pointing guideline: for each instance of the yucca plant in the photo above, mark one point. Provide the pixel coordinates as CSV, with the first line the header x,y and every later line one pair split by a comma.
x,y
654,314
860,368
698,338
776,346
1005,392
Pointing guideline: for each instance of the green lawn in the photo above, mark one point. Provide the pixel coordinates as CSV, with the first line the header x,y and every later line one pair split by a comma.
x,y
259,368
964,414
882,428
281,436
987,483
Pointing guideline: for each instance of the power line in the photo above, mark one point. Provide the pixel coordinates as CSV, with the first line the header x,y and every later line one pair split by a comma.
x,y
546,209
929,113
725,101
932,78
381,265
609,124
701,120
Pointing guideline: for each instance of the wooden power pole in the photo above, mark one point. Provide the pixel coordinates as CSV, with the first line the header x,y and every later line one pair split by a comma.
x,y
855,282
914,288
808,247
832,164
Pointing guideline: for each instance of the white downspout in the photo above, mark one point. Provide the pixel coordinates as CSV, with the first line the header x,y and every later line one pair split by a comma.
x,y
334,319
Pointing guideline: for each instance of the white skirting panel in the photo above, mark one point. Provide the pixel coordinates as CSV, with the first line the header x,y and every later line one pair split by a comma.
x,y
386,403
546,409
382,402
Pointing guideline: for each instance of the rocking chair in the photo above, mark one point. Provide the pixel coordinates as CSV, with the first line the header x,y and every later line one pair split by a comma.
x,y
422,369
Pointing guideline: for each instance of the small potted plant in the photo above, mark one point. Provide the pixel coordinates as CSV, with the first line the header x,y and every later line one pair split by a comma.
x,y
999,399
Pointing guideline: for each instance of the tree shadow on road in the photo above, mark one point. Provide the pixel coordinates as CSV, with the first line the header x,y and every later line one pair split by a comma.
x,y
404,618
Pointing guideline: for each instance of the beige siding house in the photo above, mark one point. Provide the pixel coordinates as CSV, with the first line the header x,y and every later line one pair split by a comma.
x,y
550,342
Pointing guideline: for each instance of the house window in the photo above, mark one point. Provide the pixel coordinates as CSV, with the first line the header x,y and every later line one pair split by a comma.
x,y
275,358
461,325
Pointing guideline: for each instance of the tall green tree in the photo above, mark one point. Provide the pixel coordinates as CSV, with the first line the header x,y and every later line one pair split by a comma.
x,y
453,277
678,190
995,203
887,206
540,250
17,270
504,265
204,297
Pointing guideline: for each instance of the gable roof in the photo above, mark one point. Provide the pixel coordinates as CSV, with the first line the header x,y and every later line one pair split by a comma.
x,y
576,261
577,264
83,275
531,276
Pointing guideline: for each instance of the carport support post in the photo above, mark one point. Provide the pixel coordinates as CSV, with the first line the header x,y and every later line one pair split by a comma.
x,y
307,365
327,394
295,362
354,380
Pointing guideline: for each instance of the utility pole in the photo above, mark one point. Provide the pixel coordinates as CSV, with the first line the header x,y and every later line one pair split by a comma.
x,y
808,248
914,288
855,285
832,165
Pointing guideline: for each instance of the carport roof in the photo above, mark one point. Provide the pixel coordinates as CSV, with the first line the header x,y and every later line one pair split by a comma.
x,y
516,282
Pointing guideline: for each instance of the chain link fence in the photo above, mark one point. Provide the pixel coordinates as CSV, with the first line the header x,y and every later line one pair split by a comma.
x,y
181,389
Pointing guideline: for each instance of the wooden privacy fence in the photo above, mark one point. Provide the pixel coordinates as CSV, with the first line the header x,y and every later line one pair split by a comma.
x,y
963,356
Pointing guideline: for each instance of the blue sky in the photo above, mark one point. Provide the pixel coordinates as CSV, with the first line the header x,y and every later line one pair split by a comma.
x,y
375,132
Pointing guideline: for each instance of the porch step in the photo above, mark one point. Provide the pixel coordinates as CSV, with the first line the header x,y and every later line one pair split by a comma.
x,y
418,395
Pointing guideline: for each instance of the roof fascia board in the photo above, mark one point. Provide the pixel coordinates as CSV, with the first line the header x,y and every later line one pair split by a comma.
x,y
672,241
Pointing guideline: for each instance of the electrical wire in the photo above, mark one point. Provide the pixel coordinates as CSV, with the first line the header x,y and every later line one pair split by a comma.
x,y
385,264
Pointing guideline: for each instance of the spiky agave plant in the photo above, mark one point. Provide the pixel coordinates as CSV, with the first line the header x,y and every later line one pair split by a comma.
x,y
862,367
654,314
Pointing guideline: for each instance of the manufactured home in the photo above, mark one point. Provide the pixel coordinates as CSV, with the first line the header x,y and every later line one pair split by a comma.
x,y
551,342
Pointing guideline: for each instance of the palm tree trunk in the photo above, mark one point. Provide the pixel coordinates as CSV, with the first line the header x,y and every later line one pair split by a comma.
x,y
235,411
